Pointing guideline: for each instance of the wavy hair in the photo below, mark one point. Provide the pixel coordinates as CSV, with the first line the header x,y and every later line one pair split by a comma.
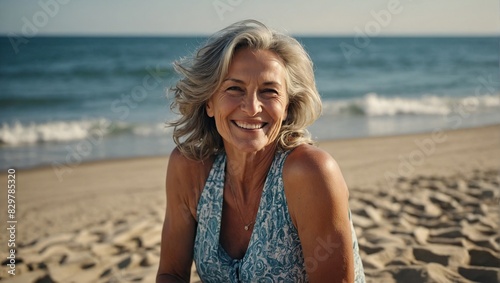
x,y
195,132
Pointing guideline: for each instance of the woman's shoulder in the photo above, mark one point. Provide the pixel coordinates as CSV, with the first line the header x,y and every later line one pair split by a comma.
x,y
311,169
187,173
183,163
312,182
307,160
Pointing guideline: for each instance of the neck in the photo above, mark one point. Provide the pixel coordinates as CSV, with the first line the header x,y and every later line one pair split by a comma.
x,y
247,172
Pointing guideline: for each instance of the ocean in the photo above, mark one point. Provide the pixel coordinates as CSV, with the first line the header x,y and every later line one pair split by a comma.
x,y
67,100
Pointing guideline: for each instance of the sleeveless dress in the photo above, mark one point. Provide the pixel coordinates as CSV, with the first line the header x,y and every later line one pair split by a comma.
x,y
274,253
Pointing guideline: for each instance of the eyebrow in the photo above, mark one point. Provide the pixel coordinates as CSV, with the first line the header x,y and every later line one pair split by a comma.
x,y
242,82
233,80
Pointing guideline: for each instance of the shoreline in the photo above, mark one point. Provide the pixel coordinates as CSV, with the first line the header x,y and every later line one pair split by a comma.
x,y
317,142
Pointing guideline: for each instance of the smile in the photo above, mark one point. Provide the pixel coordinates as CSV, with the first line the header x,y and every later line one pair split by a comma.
x,y
249,126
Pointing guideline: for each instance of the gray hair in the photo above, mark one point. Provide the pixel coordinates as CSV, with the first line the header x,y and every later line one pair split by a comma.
x,y
195,132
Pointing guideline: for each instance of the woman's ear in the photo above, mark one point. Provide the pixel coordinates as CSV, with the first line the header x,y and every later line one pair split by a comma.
x,y
209,108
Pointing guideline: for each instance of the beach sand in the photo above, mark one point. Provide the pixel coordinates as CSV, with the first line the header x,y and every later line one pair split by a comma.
x,y
425,208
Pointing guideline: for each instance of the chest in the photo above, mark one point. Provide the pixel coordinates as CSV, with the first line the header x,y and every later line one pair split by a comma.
x,y
238,219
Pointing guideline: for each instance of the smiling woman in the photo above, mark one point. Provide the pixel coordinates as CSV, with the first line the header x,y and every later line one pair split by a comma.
x,y
205,72
249,197
251,103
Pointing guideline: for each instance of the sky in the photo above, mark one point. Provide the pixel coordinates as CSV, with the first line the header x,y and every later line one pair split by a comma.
x,y
203,17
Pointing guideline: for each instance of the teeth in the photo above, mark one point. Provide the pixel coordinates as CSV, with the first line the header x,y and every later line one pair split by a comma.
x,y
249,126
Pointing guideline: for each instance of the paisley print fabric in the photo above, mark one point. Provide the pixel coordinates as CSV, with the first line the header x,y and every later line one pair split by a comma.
x,y
274,253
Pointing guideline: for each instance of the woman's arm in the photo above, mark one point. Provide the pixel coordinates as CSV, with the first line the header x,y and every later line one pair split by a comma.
x,y
317,198
179,227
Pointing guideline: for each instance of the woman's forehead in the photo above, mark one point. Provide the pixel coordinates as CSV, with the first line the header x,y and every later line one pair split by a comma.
x,y
263,64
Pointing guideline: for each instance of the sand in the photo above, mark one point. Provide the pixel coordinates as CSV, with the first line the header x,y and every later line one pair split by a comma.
x,y
425,207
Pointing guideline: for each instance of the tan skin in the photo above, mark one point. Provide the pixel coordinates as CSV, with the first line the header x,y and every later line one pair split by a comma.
x,y
248,109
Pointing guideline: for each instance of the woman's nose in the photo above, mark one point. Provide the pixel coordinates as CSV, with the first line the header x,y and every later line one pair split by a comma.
x,y
251,104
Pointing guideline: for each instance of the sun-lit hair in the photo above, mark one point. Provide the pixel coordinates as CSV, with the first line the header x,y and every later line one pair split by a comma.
x,y
195,132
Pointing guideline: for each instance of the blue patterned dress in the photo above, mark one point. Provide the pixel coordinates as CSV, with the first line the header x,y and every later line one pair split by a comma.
x,y
274,253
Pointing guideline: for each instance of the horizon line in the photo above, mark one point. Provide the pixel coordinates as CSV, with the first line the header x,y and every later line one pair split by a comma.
x,y
205,35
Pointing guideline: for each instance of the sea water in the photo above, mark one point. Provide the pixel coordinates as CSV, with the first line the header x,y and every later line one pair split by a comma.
x,y
66,100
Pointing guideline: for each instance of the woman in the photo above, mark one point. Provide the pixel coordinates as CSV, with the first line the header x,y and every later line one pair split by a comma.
x,y
248,196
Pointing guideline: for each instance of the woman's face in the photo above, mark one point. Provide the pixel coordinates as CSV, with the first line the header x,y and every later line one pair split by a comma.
x,y
251,103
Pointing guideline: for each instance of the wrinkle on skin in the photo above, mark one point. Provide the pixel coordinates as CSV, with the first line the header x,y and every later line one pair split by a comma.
x,y
248,109
253,95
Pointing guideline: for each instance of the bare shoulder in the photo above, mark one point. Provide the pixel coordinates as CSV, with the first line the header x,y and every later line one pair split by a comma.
x,y
310,162
180,163
186,168
313,183
186,177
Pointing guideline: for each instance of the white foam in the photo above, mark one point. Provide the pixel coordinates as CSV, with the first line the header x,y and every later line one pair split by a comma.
x,y
380,106
373,104
488,100
150,130
18,133
56,131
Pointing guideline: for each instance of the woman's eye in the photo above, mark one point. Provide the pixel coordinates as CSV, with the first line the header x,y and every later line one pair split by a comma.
x,y
234,88
270,92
